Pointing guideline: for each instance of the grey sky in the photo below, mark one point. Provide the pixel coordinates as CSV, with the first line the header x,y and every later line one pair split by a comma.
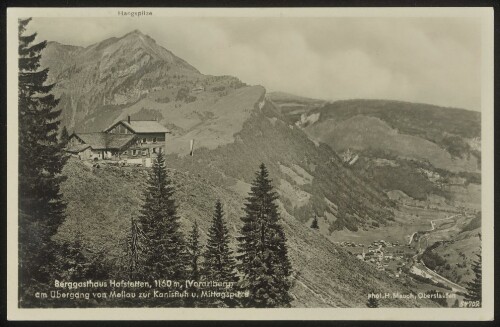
x,y
429,60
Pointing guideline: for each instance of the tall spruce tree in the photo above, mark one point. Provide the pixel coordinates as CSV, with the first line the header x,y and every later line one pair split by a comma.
x,y
164,248
474,287
194,250
263,252
219,263
41,159
194,254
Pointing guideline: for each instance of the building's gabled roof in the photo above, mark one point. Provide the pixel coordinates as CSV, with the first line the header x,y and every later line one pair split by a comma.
x,y
78,148
118,141
105,141
142,126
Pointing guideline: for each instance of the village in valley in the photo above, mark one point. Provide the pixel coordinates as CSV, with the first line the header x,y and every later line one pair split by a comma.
x,y
390,257
407,259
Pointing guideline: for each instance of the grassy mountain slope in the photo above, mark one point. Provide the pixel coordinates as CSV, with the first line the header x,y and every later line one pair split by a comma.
x,y
364,132
459,255
419,149
310,178
429,122
95,84
455,250
103,200
454,133
422,155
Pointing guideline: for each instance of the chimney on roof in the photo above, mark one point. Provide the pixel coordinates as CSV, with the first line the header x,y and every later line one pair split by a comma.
x,y
128,119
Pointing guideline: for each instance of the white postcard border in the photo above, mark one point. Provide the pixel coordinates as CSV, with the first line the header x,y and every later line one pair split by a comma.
x,y
439,314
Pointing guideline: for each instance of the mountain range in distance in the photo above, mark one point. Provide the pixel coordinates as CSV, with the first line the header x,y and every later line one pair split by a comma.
x,y
354,164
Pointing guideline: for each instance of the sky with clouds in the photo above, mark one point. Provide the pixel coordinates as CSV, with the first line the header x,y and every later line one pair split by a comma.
x,y
427,60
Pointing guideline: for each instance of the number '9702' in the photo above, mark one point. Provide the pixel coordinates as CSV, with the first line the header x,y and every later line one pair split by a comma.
x,y
470,304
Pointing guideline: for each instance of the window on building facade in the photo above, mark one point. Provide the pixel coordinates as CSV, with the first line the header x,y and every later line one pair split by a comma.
x,y
154,139
134,152
154,150
144,152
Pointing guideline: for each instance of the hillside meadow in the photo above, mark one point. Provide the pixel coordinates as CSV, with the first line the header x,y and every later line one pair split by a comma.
x,y
102,201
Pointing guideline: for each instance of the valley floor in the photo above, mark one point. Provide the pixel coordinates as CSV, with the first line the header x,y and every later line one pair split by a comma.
x,y
397,248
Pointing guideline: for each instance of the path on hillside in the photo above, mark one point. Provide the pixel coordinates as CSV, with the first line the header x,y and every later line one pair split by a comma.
x,y
433,226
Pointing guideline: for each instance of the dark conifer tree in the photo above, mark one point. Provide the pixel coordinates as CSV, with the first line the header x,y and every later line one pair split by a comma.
x,y
372,303
194,254
70,262
194,250
164,248
314,223
474,291
219,263
263,252
41,159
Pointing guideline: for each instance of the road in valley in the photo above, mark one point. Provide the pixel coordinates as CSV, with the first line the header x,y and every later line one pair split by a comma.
x,y
433,226
419,267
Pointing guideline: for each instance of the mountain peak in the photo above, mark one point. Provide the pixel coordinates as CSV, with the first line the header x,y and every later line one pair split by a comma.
x,y
135,32
139,35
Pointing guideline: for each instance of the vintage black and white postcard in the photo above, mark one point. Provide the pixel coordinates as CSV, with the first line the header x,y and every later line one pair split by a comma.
x,y
250,163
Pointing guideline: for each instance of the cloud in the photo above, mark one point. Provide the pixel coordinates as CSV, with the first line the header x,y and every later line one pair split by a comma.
x,y
429,60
